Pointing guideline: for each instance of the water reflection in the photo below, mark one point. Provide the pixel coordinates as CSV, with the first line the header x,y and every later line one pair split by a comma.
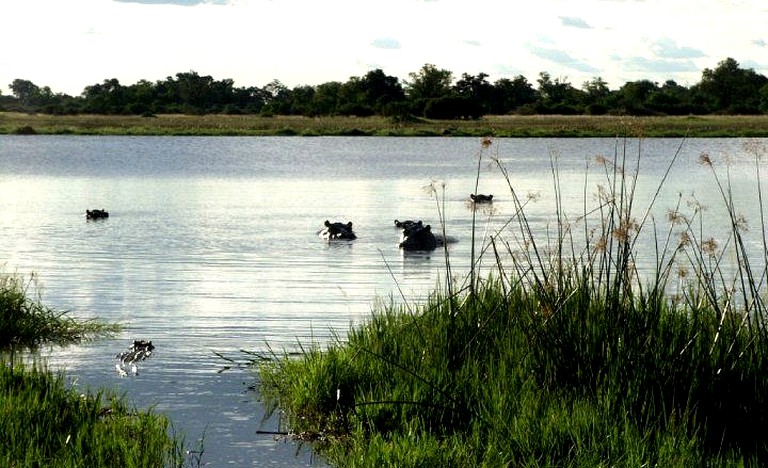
x,y
211,244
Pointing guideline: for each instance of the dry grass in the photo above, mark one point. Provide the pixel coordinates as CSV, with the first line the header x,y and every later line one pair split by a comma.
x,y
499,126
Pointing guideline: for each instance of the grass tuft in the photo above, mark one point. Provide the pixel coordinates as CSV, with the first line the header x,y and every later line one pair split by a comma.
x,y
25,322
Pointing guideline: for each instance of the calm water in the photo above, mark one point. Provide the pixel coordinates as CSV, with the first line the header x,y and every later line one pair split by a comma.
x,y
211,245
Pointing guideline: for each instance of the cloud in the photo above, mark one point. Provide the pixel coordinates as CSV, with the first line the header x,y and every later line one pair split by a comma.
x,y
386,43
176,2
668,49
562,58
472,43
572,22
652,66
759,43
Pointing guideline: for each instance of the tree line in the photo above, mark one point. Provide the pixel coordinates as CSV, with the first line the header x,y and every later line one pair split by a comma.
x,y
431,92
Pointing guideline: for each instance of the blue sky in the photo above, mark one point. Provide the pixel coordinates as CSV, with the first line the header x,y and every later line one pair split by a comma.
x,y
70,44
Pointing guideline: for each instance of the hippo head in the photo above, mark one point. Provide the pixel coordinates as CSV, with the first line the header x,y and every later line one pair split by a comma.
x,y
407,224
334,231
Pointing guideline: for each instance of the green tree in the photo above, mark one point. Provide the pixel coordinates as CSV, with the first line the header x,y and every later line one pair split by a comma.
x,y
379,89
108,97
326,98
634,96
352,98
195,92
596,96
730,89
558,96
428,83
672,99
477,89
277,98
511,95
25,91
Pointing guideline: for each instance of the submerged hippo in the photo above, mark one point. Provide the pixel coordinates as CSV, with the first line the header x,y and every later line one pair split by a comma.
x,y
480,198
337,231
419,236
138,351
96,214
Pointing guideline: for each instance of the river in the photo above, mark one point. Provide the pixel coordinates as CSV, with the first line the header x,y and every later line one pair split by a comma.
x,y
211,245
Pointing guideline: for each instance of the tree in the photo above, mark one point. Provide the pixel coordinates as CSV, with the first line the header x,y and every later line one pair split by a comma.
x,y
596,96
108,97
730,89
277,98
477,89
379,89
452,107
195,91
428,83
326,98
511,95
558,95
634,96
25,91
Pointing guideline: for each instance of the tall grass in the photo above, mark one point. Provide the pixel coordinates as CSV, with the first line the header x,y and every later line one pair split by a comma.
x,y
46,422
563,354
25,322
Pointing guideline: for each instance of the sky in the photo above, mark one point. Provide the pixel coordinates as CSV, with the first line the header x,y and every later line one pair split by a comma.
x,y
70,44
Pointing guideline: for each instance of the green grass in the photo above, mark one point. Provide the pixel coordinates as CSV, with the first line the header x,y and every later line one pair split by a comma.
x,y
562,355
45,422
25,322
497,126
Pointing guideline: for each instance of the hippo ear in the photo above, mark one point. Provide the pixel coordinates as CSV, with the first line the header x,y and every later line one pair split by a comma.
x,y
327,223
419,223
349,224
428,227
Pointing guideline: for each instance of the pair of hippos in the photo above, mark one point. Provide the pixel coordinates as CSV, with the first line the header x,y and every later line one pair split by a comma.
x,y
96,214
416,236
480,198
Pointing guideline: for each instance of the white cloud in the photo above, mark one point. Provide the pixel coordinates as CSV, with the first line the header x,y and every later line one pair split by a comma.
x,y
81,42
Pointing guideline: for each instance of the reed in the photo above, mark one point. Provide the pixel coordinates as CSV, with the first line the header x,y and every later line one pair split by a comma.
x,y
46,422
562,354
25,322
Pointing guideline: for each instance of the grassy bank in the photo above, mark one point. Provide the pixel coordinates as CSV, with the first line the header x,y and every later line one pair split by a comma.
x,y
562,356
499,126
44,421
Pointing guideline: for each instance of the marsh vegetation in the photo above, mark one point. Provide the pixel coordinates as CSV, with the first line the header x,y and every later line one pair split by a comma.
x,y
47,421
557,351
497,126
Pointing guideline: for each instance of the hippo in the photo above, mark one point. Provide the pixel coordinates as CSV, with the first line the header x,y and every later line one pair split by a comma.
x,y
138,351
418,236
480,198
96,214
337,231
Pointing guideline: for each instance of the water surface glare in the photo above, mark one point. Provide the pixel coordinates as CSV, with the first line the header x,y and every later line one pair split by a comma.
x,y
211,244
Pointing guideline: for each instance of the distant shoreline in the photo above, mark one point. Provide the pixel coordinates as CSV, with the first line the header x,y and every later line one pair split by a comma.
x,y
511,126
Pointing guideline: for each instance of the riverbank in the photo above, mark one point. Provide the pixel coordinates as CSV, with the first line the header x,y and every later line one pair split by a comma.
x,y
498,126
47,421
561,355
